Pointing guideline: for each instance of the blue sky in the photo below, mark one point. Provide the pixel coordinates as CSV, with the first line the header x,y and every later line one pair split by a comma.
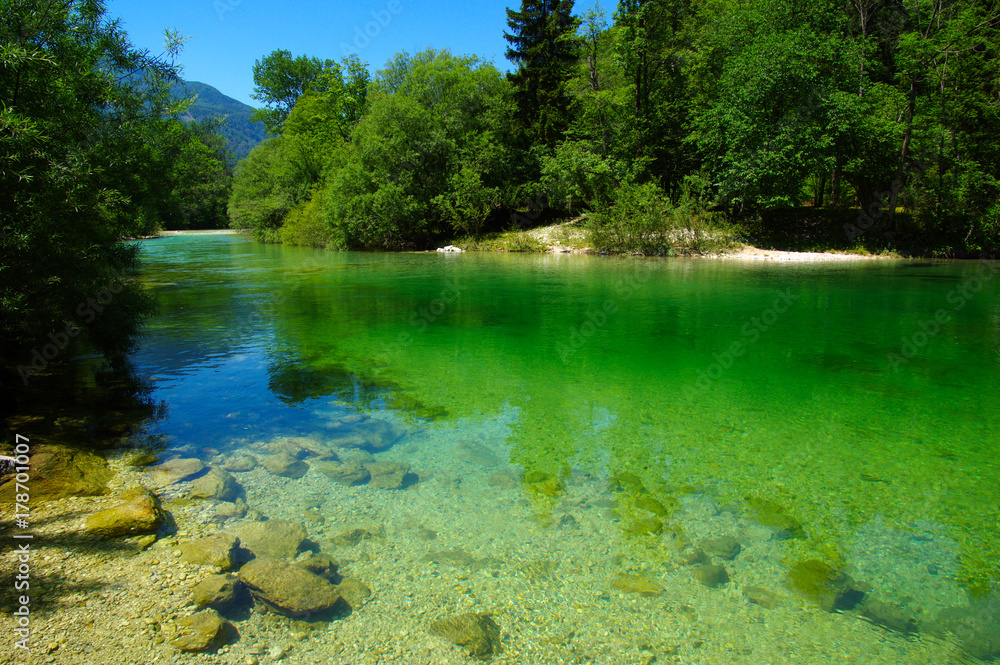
x,y
227,36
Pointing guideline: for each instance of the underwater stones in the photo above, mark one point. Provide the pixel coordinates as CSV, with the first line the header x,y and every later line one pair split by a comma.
x,y
644,586
286,588
689,556
541,482
388,475
60,471
274,538
217,550
475,454
773,515
216,484
457,558
285,465
138,512
349,474
699,507
761,596
829,588
375,436
479,634
354,592
174,471
319,564
710,574
627,481
644,526
236,509
204,631
352,537
976,629
240,463
888,616
215,591
724,547
653,505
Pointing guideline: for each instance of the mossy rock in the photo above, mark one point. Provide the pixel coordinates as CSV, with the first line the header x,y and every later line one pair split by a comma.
x,y
627,481
551,487
828,587
644,526
773,515
477,633
656,506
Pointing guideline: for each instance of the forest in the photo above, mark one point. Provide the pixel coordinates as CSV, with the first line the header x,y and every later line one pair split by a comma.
x,y
681,125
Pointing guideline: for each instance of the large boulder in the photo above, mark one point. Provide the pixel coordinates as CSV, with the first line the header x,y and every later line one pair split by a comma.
x,y
275,538
138,512
288,589
240,463
216,484
60,471
216,591
348,474
388,475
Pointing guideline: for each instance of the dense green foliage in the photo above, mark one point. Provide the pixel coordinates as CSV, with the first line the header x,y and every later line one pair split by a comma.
x,y
91,153
880,119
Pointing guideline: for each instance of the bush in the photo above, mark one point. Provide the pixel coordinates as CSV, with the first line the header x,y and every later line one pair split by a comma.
x,y
304,226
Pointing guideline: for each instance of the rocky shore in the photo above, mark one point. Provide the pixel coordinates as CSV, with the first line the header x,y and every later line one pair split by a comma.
x,y
381,544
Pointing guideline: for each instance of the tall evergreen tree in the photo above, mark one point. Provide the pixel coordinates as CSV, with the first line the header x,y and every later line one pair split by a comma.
x,y
542,44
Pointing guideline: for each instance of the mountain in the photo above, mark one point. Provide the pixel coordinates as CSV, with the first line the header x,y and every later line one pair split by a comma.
x,y
241,133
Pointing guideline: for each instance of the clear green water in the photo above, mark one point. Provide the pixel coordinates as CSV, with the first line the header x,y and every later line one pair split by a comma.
x,y
605,364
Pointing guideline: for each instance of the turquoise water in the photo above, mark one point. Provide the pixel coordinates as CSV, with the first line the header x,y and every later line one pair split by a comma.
x,y
825,390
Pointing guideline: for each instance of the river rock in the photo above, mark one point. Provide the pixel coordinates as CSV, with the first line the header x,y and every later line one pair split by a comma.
x,y
710,574
60,471
275,538
216,484
372,435
204,631
138,512
478,633
352,537
388,475
176,470
354,592
215,591
349,474
644,586
236,509
831,588
724,547
761,596
217,550
320,564
288,589
890,617
476,454
286,466
240,463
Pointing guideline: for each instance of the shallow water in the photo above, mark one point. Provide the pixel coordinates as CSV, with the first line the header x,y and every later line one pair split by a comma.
x,y
827,389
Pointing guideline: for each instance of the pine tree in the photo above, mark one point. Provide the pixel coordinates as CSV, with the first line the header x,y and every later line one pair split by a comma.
x,y
543,46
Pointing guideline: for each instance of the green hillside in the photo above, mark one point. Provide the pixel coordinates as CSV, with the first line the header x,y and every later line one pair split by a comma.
x,y
241,133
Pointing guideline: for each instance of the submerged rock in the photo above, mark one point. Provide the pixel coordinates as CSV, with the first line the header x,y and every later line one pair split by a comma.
x,y
288,589
176,470
388,475
476,454
320,564
216,484
349,474
761,596
352,537
286,466
644,586
773,515
710,574
724,547
830,588
216,591
138,512
204,631
60,471
275,538
478,633
218,550
240,463
354,592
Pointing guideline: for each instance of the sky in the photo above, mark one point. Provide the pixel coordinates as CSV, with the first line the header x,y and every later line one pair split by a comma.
x,y
227,36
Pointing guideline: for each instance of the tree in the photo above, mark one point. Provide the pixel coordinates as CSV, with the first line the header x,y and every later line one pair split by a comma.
x,y
543,45
279,80
79,104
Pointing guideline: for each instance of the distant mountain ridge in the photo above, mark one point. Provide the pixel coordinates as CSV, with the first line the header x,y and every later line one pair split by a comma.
x,y
243,134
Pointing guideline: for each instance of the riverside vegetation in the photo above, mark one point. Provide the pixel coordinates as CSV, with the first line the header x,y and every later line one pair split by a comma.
x,y
681,126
